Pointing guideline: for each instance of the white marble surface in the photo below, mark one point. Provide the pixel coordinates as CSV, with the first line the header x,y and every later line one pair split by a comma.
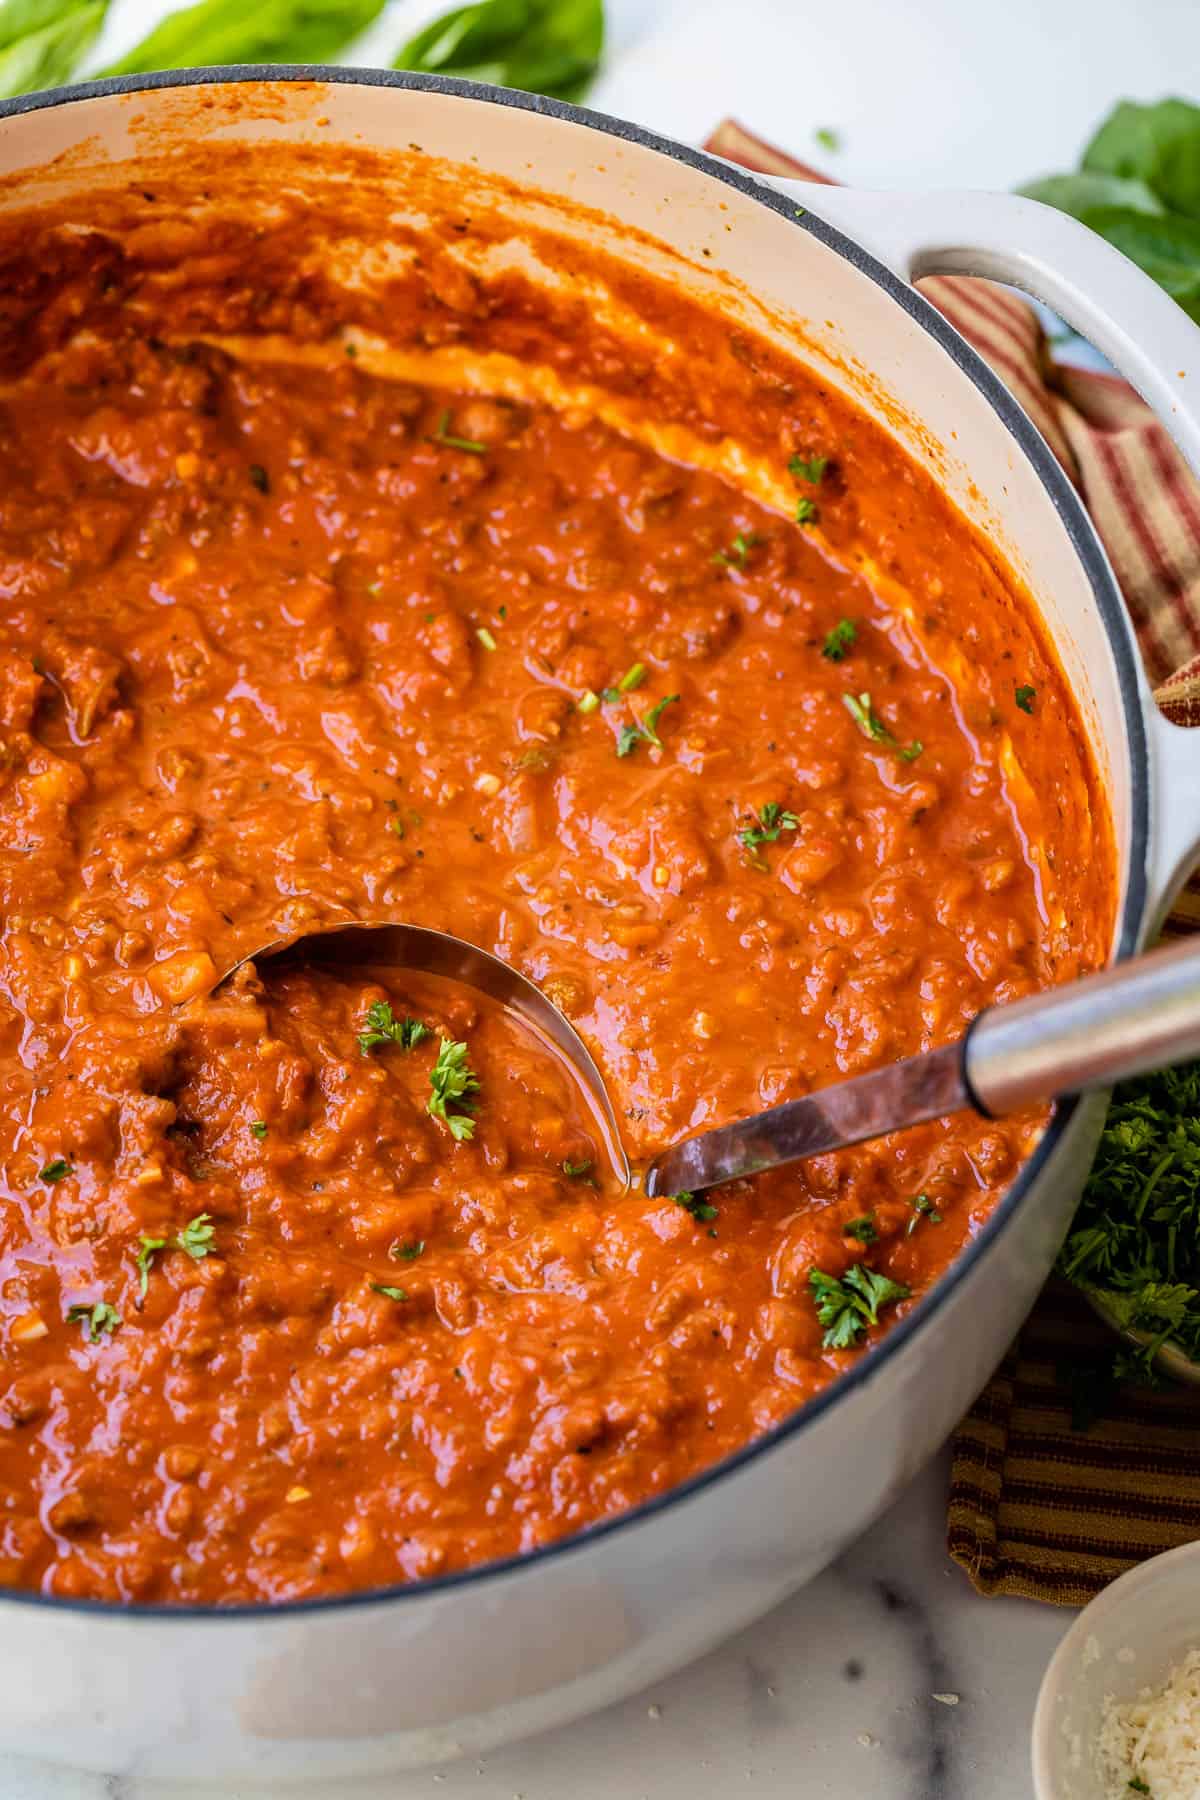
x,y
832,1694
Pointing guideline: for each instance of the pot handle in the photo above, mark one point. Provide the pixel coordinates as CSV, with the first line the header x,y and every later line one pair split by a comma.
x,y
1129,319
1005,237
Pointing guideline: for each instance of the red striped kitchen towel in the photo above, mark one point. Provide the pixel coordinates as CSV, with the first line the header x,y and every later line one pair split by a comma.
x,y
1038,1506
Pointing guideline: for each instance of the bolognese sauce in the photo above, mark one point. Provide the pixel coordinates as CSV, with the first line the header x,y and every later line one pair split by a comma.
x,y
317,1281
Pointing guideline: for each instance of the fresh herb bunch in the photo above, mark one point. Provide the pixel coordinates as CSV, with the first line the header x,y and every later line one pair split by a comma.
x,y
269,31
43,42
1139,186
1136,1237
545,46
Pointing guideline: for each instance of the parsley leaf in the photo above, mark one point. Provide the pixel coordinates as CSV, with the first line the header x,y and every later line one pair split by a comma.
x,y
145,1257
1025,697
872,726
808,468
864,1230
258,1129
768,823
453,1081
195,1240
407,1252
840,640
95,1319
848,1306
700,1209
576,1170
806,512
828,138
644,729
383,1027
738,552
449,442
58,1170
389,1293
922,1208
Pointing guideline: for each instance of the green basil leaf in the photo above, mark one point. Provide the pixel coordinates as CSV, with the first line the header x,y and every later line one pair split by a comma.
x,y
1167,248
21,18
50,55
1088,191
543,46
250,31
1157,144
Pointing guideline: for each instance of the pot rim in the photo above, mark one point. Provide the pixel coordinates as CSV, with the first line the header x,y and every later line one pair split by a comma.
x,y
1132,909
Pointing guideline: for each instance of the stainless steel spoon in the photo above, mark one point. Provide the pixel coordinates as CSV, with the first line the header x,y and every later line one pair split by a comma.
x,y
419,949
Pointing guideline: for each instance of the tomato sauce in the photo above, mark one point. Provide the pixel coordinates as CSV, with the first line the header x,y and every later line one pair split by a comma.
x,y
286,644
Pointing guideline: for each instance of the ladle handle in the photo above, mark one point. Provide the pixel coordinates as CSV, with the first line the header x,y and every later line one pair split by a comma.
x,y
1139,1015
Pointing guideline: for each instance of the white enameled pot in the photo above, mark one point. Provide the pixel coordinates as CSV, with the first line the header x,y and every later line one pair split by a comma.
x,y
418,1674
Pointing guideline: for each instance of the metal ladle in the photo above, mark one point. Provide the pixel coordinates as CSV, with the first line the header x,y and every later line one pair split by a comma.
x,y
418,949
1140,1015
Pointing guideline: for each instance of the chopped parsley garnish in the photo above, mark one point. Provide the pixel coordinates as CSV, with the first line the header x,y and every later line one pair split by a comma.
x,y
632,678
848,1306
145,1256
486,638
407,1252
646,728
871,725
840,640
738,552
806,511
1136,1785
453,1081
768,823
701,1209
96,1319
808,468
258,1129
383,1027
58,1170
195,1240
449,442
922,1208
260,478
1025,697
575,1170
389,1293
1136,1237
827,137
864,1230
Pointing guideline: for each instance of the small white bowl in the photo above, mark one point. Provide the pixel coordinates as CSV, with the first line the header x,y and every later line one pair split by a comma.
x,y
1129,1638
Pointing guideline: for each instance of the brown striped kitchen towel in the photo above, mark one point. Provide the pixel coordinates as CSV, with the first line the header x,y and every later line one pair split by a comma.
x,y
1059,1484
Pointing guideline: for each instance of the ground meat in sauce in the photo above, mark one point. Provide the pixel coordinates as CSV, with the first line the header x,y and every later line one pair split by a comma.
x,y
284,646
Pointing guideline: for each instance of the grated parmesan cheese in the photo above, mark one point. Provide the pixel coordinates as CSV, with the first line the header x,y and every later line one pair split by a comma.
x,y
1151,1746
